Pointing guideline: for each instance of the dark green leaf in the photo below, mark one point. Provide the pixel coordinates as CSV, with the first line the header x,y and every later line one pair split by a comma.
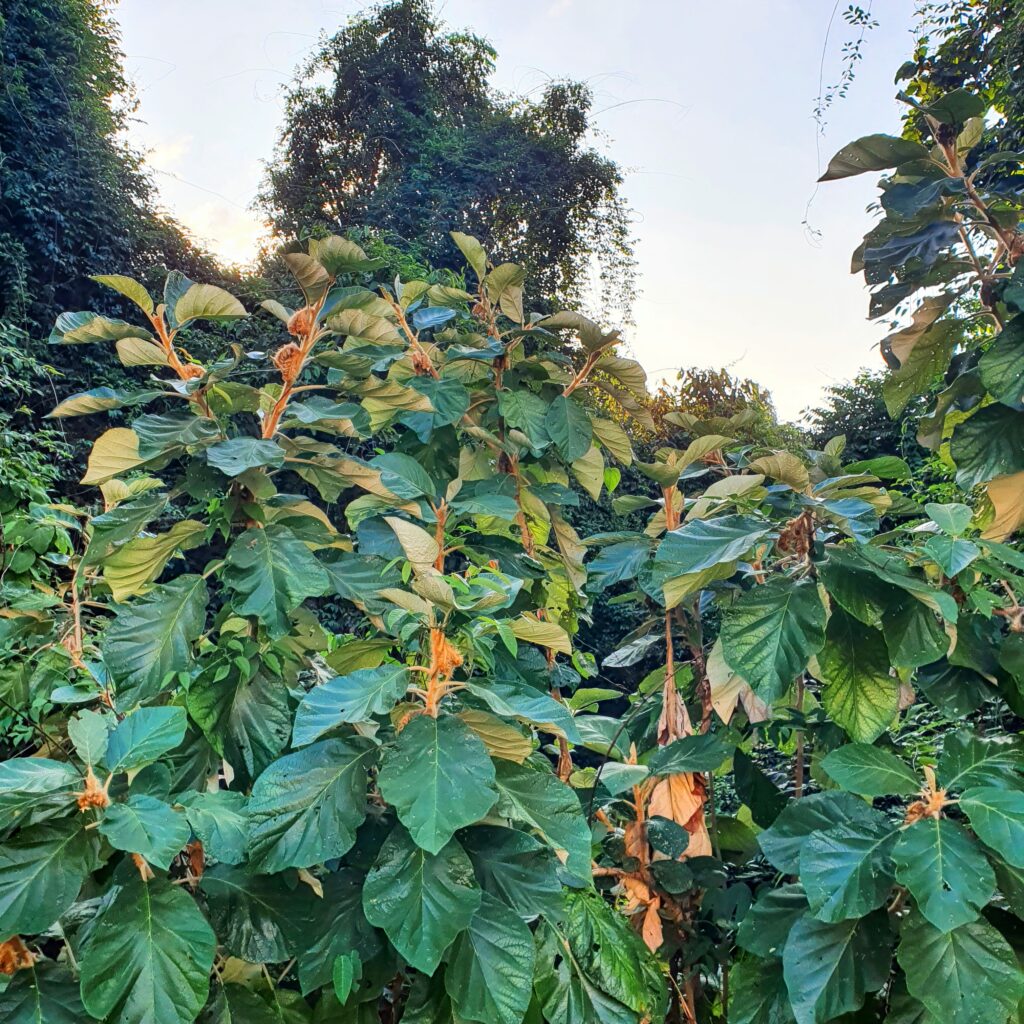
x,y
42,994
766,925
568,425
997,816
870,771
872,153
356,697
701,753
220,821
146,826
143,736
238,454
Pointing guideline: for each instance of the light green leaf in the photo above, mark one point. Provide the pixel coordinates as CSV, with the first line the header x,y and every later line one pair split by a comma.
x,y
870,771
207,302
706,542
968,760
146,826
952,518
860,696
133,566
421,900
945,871
490,969
129,288
473,251
148,957
139,352
951,554
151,638
113,453
964,976
306,807
771,632
272,572
83,328
439,777
88,732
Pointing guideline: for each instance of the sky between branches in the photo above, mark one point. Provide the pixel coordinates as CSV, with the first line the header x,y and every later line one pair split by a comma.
x,y
708,107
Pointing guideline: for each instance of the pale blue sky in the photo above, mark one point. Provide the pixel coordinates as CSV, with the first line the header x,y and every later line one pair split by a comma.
x,y
707,105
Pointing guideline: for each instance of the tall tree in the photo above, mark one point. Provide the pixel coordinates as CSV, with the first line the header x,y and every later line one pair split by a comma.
x,y
74,199
394,123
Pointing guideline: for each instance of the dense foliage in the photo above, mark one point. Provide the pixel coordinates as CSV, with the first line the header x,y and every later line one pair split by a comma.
x,y
299,727
394,124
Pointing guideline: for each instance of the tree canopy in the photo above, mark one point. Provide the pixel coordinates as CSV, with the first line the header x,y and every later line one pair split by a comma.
x,y
394,124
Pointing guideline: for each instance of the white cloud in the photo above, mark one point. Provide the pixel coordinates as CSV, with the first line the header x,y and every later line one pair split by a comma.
x,y
232,234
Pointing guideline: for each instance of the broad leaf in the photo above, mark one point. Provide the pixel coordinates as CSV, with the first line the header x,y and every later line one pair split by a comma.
x,y
239,454
860,695
757,993
771,632
143,736
700,753
219,820
568,425
148,957
42,994
945,871
146,826
421,900
767,923
873,153
272,572
538,798
783,842
305,807
152,637
35,788
968,760
439,777
963,976
490,968
997,816
847,870
41,872
830,968
356,697
870,771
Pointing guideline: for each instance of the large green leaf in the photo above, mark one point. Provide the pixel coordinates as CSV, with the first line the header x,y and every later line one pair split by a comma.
x,y
860,696
355,697
757,993
847,870
873,153
207,302
769,635
968,760
143,736
830,968
515,867
337,927
568,425
870,771
1002,365
257,917
782,843
306,807
490,969
439,777
239,454
246,722
272,572
988,444
766,925
35,788
146,826
997,816
152,637
945,871
135,565
42,994
41,871
968,975
703,543
421,900
538,798
592,967
148,957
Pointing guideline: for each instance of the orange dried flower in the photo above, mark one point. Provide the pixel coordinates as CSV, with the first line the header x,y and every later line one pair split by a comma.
x,y
189,371
145,871
14,955
94,794
288,360
301,322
